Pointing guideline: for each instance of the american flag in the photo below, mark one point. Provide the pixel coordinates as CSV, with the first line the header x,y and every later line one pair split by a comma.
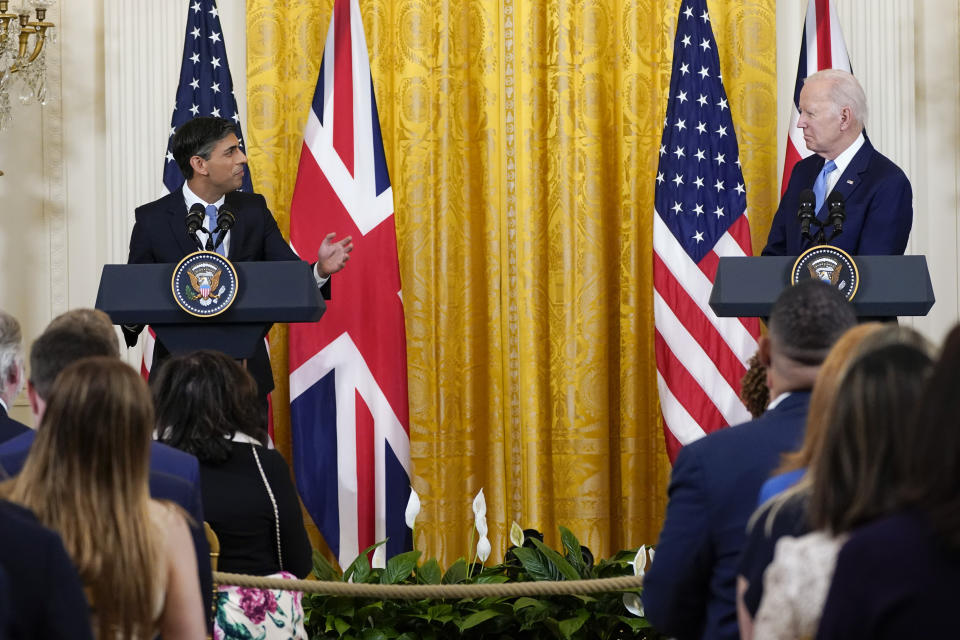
x,y
822,47
348,372
205,89
700,215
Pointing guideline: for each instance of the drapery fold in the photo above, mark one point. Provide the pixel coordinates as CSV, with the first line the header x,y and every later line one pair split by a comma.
x,y
522,140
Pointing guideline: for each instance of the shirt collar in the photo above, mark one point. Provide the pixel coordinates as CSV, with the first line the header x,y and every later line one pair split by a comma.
x,y
3,405
190,198
844,158
780,398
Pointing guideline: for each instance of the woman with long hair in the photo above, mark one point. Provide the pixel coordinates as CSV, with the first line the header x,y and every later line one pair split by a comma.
x,y
86,477
853,479
897,576
207,405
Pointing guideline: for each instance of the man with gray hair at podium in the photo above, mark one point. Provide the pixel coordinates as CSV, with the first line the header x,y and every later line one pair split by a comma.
x,y
845,177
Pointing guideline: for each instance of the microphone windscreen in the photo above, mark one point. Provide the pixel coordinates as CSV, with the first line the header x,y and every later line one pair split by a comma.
x,y
195,217
834,199
225,218
807,197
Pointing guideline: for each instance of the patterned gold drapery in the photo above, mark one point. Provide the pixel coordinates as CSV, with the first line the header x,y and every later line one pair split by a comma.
x,y
521,138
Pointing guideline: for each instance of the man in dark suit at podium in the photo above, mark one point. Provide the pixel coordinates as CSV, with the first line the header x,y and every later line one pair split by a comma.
x,y
207,150
11,374
877,195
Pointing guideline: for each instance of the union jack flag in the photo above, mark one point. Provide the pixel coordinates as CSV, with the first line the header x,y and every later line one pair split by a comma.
x,y
822,47
205,89
348,372
700,215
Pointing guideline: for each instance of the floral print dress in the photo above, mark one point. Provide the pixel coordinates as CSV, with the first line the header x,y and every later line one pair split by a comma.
x,y
259,614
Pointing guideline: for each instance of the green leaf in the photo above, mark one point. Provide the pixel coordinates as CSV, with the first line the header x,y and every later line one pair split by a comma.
x,y
341,625
635,623
572,546
565,567
359,569
525,601
429,572
476,618
322,568
536,564
494,579
400,567
373,634
570,626
456,573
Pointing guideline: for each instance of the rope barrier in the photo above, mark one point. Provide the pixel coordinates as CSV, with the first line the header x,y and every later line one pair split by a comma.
x,y
433,591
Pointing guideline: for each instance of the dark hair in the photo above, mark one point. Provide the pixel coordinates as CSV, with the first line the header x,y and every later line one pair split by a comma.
x,y
202,399
198,137
858,475
933,462
63,344
753,387
807,319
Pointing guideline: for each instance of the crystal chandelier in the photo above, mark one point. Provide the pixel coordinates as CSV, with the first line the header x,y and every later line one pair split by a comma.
x,y
22,55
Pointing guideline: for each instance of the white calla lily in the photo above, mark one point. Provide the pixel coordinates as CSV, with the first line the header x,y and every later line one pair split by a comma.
x,y
640,562
633,604
483,548
480,514
413,508
516,534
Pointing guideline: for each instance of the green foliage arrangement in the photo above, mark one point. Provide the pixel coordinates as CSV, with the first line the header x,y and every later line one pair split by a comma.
x,y
602,615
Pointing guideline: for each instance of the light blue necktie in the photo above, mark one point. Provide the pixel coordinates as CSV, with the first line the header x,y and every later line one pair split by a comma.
x,y
212,225
820,185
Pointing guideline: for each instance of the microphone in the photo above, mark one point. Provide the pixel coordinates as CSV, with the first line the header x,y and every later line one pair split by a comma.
x,y
225,222
806,214
195,222
837,213
195,218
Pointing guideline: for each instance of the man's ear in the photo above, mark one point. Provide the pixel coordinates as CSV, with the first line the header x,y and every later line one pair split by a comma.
x,y
846,117
37,405
763,351
199,165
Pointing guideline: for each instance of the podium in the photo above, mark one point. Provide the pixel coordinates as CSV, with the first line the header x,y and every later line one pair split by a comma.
x,y
267,292
746,287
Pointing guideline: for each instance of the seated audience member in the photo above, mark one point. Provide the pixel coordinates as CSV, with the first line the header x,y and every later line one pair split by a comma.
x,y
248,496
897,576
174,475
689,590
853,481
787,515
86,477
46,597
11,375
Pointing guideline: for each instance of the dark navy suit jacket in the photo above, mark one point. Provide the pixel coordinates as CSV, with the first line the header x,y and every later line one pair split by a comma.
x,y
46,595
689,590
160,235
174,476
10,428
879,207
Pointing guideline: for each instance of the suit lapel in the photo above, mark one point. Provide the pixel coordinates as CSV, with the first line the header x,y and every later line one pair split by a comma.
x,y
852,175
176,209
239,226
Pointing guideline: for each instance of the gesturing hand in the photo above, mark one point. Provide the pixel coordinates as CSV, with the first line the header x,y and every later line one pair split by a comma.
x,y
333,255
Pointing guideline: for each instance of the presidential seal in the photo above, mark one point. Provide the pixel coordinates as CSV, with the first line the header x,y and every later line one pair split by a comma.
x,y
204,284
829,264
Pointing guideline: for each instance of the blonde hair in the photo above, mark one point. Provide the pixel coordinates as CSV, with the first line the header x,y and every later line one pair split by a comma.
x,y
86,477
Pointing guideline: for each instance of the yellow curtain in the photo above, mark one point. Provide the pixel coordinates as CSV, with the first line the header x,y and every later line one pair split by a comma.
x,y
521,138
